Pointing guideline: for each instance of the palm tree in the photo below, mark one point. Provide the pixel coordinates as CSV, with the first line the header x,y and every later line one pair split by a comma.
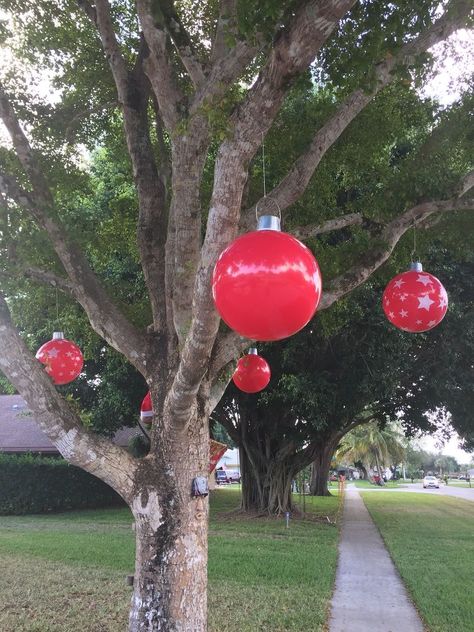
x,y
373,445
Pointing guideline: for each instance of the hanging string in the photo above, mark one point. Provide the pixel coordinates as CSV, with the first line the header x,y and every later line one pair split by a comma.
x,y
264,172
414,256
57,307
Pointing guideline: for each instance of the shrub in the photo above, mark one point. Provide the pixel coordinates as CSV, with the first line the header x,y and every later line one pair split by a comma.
x,y
139,446
34,484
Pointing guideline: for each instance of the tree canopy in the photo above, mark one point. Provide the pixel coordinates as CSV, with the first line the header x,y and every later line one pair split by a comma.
x,y
181,94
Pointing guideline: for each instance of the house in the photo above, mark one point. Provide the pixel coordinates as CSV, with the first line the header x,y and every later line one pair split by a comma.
x,y
229,460
19,432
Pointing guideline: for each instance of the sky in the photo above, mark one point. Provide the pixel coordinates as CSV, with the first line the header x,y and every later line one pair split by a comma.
x,y
451,448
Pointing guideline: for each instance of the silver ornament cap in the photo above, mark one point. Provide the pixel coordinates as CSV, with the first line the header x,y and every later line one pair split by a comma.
x,y
58,335
416,266
269,222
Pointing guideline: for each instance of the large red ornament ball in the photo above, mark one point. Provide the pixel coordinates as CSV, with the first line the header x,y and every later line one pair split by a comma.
x,y
63,359
415,301
266,285
146,409
252,373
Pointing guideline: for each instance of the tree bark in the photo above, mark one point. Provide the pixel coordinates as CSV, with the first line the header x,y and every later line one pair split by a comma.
x,y
252,490
266,480
170,582
266,483
320,471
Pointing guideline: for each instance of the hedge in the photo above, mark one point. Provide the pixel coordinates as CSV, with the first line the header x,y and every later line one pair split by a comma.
x,y
34,484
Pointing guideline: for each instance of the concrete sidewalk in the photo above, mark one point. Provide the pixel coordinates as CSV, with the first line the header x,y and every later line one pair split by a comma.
x,y
369,595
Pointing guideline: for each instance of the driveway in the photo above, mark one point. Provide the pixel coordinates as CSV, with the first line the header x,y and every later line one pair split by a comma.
x,y
466,493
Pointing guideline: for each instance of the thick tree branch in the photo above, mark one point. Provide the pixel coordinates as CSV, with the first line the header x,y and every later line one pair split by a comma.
x,y
132,92
228,346
294,48
226,30
158,67
295,182
188,158
104,316
219,386
164,160
45,277
312,230
25,155
223,73
188,154
165,17
466,184
391,234
57,419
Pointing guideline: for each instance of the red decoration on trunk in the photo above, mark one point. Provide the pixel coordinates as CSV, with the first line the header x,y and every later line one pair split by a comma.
x,y
216,449
146,409
415,301
252,373
63,359
266,285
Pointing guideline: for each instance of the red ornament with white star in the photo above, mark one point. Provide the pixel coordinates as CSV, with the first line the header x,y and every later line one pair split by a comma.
x,y
252,373
63,359
415,301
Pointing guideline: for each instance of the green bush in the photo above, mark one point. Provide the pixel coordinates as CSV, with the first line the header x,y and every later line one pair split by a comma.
x,y
33,484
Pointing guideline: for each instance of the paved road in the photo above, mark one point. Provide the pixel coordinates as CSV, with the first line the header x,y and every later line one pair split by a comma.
x,y
466,493
369,594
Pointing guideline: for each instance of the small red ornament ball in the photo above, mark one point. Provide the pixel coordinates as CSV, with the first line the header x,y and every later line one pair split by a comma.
x,y
63,359
252,374
415,301
266,285
146,409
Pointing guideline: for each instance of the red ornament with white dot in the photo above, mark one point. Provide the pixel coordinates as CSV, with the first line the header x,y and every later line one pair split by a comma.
x,y
252,373
415,301
63,360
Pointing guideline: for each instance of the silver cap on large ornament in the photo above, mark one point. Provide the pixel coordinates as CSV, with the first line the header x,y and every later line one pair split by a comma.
x,y
416,266
58,335
269,222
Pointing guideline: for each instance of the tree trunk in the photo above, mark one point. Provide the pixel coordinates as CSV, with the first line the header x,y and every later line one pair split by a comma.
x,y
266,484
320,471
252,490
170,582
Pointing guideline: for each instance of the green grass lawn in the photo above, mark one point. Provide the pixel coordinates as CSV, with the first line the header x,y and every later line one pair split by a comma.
x,y
66,572
367,484
431,540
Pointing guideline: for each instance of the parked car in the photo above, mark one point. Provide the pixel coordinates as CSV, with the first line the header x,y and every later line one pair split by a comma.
x,y
221,477
233,476
430,481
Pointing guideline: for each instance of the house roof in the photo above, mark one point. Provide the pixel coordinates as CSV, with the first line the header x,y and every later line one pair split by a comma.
x,y
19,432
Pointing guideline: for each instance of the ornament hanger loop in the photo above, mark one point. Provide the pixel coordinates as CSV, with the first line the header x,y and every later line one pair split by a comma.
x,y
277,206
